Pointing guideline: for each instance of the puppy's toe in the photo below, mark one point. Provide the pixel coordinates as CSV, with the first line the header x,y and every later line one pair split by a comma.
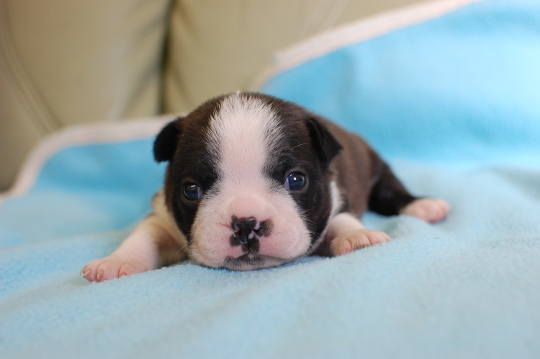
x,y
111,267
428,209
350,241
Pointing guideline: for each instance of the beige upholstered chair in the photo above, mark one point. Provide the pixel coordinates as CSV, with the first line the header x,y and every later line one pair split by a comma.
x,y
65,62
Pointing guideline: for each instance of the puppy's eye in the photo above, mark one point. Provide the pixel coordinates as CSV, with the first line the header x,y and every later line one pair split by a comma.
x,y
295,181
192,192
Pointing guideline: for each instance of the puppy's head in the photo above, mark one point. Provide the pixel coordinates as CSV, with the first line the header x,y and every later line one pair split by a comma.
x,y
248,180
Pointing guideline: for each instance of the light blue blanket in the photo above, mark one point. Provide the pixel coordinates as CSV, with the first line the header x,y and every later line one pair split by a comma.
x,y
452,102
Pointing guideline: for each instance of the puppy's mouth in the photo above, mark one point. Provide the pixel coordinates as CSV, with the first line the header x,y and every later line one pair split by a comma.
x,y
251,261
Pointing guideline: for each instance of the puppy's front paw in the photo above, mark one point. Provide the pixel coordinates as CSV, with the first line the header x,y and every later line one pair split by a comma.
x,y
111,267
350,241
427,209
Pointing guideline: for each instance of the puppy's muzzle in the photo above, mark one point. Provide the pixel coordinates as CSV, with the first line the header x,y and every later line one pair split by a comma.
x,y
248,231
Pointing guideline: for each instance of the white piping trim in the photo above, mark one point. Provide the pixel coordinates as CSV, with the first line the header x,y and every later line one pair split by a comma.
x,y
361,30
95,133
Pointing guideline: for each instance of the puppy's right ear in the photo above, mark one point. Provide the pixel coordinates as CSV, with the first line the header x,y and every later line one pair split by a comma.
x,y
166,141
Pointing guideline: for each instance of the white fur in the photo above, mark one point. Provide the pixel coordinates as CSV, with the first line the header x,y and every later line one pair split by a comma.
x,y
244,133
156,241
336,203
343,222
347,234
427,209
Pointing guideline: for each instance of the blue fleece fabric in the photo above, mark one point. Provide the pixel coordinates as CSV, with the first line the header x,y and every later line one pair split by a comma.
x,y
452,103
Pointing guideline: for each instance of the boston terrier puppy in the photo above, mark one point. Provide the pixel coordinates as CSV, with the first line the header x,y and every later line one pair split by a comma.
x,y
254,182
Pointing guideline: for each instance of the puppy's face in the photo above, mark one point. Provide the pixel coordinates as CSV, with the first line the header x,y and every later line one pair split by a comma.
x,y
248,180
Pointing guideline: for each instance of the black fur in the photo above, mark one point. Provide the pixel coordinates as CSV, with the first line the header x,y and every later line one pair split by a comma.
x,y
324,143
166,140
193,162
310,145
307,147
388,195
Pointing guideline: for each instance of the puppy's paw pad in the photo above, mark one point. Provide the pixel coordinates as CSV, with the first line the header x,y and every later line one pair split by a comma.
x,y
111,267
350,241
428,209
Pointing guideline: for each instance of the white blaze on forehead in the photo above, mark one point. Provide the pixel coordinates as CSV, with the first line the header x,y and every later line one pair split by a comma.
x,y
245,131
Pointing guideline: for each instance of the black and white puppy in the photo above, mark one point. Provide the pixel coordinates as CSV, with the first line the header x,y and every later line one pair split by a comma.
x,y
254,182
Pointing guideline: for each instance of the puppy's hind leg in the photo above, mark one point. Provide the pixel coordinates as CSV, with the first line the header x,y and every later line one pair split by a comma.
x,y
389,197
428,209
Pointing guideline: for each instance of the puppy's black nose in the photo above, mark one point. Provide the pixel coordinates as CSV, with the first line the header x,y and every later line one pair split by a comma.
x,y
247,232
244,228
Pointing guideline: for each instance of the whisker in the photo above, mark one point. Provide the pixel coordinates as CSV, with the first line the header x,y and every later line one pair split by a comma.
x,y
302,144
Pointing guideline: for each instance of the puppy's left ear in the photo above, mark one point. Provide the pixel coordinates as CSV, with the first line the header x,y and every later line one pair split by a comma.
x,y
325,144
166,141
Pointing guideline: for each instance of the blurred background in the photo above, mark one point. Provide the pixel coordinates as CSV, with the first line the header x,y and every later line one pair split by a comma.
x,y
65,62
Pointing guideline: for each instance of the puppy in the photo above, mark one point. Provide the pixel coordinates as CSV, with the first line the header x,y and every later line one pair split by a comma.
x,y
254,182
